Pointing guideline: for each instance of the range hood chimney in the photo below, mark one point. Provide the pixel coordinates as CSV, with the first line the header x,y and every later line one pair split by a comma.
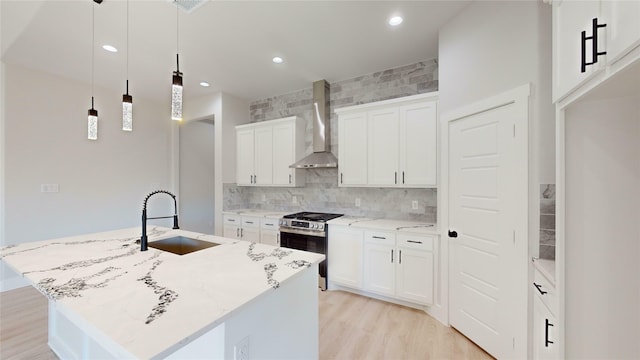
x,y
321,156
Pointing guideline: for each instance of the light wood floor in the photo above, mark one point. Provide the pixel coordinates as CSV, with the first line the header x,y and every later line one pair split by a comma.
x,y
351,327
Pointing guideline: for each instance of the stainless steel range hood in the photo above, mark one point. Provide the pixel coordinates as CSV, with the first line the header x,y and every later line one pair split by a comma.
x,y
321,156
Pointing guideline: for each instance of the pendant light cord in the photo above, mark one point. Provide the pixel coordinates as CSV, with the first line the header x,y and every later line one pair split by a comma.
x,y
177,37
127,71
93,39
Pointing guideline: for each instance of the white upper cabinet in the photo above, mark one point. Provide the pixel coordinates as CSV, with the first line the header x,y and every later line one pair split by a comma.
x,y
611,33
570,19
352,149
624,34
245,152
383,139
418,144
266,149
263,155
391,143
288,146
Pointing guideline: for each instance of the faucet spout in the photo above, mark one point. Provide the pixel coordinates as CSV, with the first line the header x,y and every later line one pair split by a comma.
x,y
143,238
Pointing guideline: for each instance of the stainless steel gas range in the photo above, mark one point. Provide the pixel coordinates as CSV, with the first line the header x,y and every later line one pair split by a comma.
x,y
307,231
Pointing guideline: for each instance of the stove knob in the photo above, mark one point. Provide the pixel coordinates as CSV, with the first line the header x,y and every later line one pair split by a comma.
x,y
314,226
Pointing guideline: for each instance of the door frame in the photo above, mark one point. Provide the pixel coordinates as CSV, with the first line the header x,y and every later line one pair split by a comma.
x,y
519,310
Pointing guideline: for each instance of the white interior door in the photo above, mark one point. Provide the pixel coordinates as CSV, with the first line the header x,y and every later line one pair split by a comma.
x,y
485,187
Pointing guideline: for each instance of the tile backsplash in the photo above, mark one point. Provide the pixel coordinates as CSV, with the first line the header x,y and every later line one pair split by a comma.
x,y
548,221
321,192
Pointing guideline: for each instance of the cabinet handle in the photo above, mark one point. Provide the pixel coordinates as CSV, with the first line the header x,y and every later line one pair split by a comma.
x,y
403,177
379,237
391,255
237,232
241,233
267,224
231,220
547,324
594,45
399,256
249,222
341,182
539,287
453,234
395,177
414,241
289,178
255,179
278,238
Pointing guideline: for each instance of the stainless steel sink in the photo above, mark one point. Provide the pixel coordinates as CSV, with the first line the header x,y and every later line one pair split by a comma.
x,y
181,245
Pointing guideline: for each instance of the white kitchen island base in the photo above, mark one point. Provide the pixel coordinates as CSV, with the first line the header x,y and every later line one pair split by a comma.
x,y
281,324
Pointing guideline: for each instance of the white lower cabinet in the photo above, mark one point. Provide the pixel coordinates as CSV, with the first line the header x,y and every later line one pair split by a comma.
x,y
399,265
241,227
545,325
269,232
345,256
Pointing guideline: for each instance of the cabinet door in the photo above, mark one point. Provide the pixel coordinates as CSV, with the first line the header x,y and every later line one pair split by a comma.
x,y
250,234
263,155
231,231
414,276
283,154
244,153
270,237
545,332
623,27
418,144
345,256
379,268
570,18
352,140
383,139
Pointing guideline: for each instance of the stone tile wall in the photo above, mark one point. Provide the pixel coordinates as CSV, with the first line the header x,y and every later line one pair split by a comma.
x,y
322,192
548,221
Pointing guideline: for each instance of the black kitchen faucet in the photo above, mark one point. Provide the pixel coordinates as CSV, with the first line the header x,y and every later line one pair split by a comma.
x,y
143,239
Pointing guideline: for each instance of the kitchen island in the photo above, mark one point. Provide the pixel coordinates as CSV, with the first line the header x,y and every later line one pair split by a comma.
x,y
107,299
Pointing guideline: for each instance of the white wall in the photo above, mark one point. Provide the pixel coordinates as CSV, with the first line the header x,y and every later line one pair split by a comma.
x,y
228,111
101,183
196,195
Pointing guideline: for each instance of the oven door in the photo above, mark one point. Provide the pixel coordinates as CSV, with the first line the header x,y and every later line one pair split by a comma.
x,y
307,241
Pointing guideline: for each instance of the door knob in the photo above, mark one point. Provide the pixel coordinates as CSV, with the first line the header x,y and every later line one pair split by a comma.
x,y
453,234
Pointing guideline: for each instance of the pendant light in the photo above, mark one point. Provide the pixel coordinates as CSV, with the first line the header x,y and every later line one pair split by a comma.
x,y
176,87
92,120
127,100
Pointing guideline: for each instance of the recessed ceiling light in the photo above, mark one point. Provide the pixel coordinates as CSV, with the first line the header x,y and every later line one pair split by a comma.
x,y
395,21
110,48
278,60
204,84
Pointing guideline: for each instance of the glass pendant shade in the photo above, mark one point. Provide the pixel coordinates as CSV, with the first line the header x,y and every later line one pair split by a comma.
x,y
92,124
176,96
127,112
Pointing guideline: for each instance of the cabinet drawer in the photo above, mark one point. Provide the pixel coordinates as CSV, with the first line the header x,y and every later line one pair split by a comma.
x,y
418,242
231,220
381,237
250,222
543,289
269,224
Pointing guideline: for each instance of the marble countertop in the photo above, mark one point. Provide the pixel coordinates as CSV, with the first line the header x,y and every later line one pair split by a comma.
x,y
258,213
387,224
149,301
547,268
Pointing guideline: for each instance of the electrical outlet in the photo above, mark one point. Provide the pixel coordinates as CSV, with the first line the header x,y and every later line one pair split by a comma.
x,y
357,202
49,188
414,205
241,350
294,200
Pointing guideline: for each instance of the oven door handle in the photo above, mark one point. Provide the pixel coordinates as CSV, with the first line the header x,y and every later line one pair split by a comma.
x,y
302,232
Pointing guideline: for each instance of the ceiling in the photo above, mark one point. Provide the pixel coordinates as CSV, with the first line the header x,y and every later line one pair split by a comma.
x,y
229,44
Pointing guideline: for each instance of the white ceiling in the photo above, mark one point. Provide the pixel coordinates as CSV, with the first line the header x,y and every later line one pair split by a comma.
x,y
230,44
